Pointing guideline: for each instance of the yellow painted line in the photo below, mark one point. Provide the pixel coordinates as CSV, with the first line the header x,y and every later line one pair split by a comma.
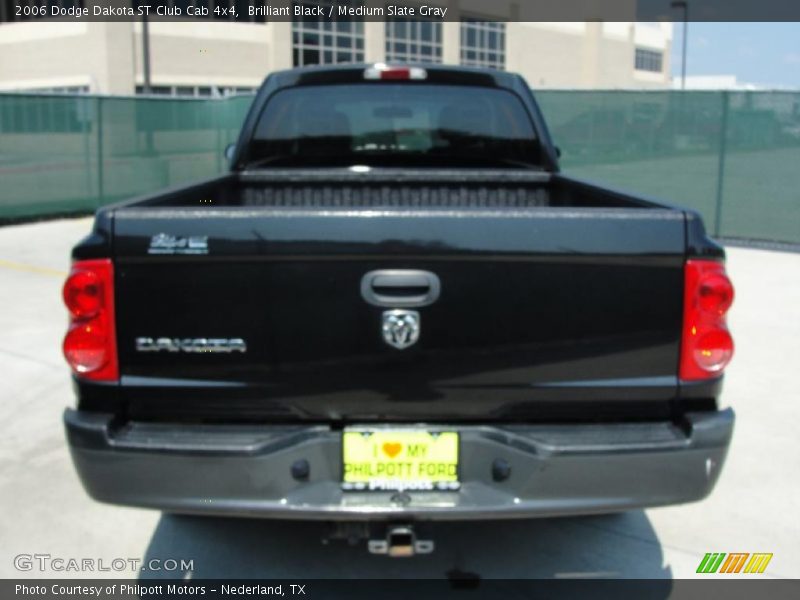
x,y
31,268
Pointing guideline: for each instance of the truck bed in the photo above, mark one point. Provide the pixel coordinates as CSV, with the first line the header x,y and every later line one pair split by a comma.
x,y
388,188
559,300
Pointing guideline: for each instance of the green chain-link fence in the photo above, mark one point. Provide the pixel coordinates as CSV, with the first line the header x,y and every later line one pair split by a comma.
x,y
734,156
75,153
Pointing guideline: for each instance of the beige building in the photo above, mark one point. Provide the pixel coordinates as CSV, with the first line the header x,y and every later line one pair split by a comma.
x,y
217,57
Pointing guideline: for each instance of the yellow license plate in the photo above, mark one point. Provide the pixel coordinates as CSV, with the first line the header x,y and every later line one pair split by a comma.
x,y
400,459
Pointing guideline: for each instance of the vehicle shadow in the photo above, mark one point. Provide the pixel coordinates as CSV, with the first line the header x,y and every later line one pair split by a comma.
x,y
610,546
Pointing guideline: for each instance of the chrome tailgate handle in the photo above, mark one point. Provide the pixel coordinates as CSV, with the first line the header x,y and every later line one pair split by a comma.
x,y
400,287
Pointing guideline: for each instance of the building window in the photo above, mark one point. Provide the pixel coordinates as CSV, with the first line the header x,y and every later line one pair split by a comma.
x,y
413,41
319,41
649,60
483,44
201,91
62,89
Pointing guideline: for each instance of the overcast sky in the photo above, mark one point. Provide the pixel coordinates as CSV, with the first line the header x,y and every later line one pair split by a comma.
x,y
765,54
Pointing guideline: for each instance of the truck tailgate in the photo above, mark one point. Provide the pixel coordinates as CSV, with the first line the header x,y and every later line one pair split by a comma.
x,y
543,313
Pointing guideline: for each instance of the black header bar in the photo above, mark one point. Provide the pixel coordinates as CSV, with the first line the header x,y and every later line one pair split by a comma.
x,y
263,11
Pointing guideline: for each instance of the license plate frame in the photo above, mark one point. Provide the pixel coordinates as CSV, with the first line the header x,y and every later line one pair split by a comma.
x,y
436,467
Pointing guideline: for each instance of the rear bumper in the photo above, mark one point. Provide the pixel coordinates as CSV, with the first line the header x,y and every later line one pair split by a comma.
x,y
246,470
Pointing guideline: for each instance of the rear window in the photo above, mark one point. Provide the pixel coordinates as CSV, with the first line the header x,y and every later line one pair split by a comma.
x,y
395,124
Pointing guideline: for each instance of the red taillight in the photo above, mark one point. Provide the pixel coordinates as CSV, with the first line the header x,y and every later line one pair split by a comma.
x,y
706,344
716,293
83,294
90,345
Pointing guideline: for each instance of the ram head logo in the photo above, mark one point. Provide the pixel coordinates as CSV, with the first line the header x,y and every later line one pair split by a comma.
x,y
401,328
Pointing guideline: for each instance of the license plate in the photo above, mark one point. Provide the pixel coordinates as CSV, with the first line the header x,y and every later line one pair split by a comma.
x,y
400,459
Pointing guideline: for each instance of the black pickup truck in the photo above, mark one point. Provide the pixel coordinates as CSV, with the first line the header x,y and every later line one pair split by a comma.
x,y
395,307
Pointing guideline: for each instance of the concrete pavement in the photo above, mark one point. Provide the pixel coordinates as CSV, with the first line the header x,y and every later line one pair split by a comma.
x,y
753,508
